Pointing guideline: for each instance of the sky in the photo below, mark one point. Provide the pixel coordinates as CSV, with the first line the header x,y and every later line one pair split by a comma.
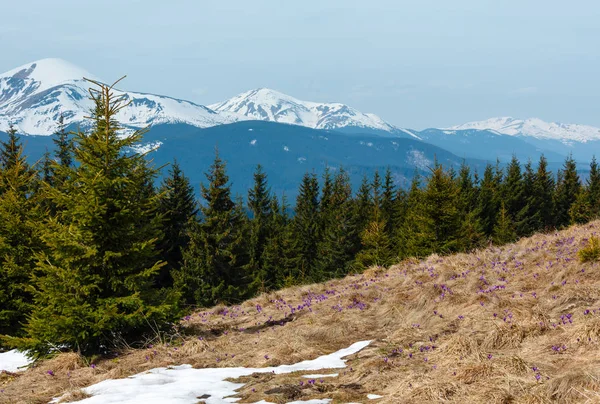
x,y
417,64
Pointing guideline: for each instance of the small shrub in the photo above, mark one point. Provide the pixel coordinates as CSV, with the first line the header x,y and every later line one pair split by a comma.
x,y
591,252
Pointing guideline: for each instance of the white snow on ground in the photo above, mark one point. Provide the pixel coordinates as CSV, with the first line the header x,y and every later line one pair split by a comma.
x,y
12,361
373,396
184,384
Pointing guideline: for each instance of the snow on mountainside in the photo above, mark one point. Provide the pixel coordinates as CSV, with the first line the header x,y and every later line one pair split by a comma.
x,y
536,128
34,95
269,105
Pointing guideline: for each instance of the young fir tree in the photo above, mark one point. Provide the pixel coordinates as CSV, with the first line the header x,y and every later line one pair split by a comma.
x,y
306,228
376,245
504,230
178,208
20,214
260,204
340,240
93,283
581,210
567,189
215,261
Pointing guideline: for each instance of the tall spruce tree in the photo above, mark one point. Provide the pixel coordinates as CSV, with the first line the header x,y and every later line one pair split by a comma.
x,y
487,203
525,221
215,261
339,242
20,214
260,204
567,189
178,208
93,283
306,228
513,194
541,199
280,259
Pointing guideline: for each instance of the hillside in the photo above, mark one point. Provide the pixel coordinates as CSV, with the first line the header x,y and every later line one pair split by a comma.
x,y
512,324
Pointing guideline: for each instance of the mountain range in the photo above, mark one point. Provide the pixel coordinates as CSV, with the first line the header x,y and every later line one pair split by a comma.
x,y
288,136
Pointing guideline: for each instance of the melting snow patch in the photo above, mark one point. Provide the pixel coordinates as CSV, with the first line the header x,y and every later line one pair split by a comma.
x,y
285,148
146,148
373,396
184,384
253,142
250,130
12,361
301,159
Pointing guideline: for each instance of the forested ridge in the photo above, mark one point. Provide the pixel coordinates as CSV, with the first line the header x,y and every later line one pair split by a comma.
x,y
93,254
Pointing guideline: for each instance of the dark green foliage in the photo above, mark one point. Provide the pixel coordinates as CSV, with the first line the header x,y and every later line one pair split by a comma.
x,y
93,281
567,188
340,240
593,186
504,230
487,203
178,208
280,259
513,193
306,228
260,205
19,239
214,262
11,149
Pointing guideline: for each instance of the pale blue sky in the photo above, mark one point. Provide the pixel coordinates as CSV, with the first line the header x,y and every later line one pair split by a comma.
x,y
418,63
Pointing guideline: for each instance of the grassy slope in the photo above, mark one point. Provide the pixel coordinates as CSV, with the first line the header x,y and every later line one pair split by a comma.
x,y
462,328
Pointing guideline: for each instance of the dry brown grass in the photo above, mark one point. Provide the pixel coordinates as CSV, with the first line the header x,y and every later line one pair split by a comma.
x,y
433,320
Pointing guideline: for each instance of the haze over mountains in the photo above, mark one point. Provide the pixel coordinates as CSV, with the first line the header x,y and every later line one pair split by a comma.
x,y
261,125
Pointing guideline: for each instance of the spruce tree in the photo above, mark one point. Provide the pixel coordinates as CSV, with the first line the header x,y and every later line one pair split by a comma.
x,y
581,210
280,260
513,192
541,199
259,204
593,185
93,283
363,204
504,230
487,203
215,261
388,203
340,240
306,228
567,189
526,222
178,209
11,149
20,215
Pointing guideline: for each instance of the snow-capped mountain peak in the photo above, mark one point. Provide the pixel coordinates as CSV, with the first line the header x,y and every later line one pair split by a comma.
x,y
33,96
271,105
48,73
536,128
